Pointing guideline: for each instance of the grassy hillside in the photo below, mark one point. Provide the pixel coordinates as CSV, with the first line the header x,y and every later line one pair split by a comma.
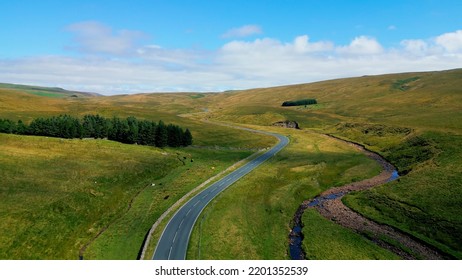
x,y
429,100
251,219
47,91
413,119
58,194
51,205
171,108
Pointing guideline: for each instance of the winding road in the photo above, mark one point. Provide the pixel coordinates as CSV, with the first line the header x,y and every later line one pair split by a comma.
x,y
174,240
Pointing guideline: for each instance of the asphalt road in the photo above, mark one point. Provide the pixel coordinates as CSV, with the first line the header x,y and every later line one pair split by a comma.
x,y
174,240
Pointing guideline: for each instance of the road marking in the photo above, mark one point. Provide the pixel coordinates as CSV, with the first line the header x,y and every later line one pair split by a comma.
x,y
220,186
170,252
174,237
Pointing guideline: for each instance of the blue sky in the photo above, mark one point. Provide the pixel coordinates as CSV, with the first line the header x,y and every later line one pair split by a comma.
x,y
132,46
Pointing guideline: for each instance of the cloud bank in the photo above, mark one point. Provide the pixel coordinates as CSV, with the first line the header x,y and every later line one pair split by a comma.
x,y
112,62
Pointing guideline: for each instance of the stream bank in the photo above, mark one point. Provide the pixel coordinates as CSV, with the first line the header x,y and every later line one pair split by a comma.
x,y
329,205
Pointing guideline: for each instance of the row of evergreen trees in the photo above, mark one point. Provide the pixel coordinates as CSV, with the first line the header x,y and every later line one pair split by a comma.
x,y
300,102
129,130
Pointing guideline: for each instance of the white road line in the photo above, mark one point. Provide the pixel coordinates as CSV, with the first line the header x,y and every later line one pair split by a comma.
x,y
170,252
220,185
174,237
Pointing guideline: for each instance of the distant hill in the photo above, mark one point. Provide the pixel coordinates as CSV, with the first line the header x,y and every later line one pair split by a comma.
x,y
47,91
412,119
428,100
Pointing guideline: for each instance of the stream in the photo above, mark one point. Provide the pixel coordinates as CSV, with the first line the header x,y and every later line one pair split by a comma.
x,y
389,173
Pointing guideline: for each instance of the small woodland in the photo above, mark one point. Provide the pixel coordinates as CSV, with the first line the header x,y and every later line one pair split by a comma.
x,y
128,131
299,102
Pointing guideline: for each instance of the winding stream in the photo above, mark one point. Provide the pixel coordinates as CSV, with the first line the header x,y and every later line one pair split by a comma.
x,y
389,173
330,206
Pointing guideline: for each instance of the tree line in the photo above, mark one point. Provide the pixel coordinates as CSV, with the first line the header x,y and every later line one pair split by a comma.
x,y
129,130
300,102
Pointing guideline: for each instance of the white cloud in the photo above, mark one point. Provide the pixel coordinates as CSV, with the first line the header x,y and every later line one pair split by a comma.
x,y
415,46
302,45
447,44
243,31
95,37
362,45
451,42
237,64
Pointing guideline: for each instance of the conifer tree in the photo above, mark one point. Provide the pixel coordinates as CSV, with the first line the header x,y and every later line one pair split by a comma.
x,y
187,138
161,135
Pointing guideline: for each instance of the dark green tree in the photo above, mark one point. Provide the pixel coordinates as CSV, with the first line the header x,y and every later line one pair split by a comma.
x,y
132,134
161,135
128,130
187,138
146,133
174,135
21,128
7,126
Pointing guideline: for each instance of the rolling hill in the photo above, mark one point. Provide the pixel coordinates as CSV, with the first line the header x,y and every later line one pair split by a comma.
x,y
47,91
412,119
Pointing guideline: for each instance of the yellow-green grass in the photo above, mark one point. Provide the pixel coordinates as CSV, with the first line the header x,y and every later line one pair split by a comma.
x,y
52,202
123,239
376,111
426,202
217,147
427,103
17,105
251,219
155,235
45,91
432,101
325,240
58,194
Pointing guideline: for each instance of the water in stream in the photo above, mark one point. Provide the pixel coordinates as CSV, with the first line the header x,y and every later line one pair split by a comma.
x,y
296,235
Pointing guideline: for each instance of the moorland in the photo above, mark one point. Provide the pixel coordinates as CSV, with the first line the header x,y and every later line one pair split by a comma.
x,y
97,199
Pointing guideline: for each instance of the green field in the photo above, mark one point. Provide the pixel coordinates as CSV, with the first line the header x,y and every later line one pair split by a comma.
x,y
326,240
412,119
251,219
425,202
51,205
